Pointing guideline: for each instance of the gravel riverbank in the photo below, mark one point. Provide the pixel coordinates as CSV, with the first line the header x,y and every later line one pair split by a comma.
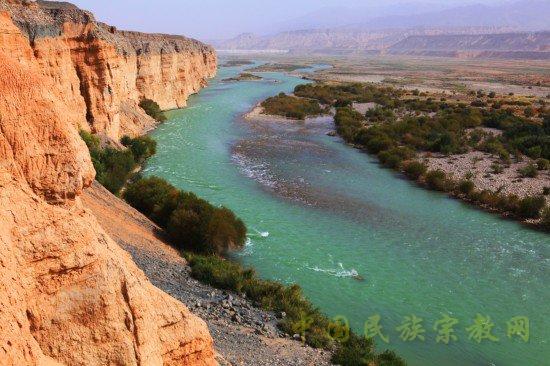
x,y
243,334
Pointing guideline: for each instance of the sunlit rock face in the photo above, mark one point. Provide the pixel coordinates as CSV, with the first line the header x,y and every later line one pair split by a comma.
x,y
68,293
103,73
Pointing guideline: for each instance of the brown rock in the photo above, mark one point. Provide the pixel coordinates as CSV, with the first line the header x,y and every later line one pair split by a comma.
x,y
68,293
102,73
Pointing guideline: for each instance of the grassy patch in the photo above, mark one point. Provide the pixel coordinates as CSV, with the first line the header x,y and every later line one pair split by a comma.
x,y
291,107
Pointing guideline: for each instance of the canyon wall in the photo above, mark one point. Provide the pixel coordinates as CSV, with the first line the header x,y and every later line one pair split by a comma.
x,y
103,73
68,293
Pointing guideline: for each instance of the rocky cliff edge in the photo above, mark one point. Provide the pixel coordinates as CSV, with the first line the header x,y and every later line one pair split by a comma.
x,y
68,293
102,73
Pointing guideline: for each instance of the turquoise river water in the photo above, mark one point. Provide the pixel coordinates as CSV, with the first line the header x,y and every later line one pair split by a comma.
x,y
322,214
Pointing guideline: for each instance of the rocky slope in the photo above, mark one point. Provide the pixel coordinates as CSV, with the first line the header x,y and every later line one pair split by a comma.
x,y
243,334
68,293
103,73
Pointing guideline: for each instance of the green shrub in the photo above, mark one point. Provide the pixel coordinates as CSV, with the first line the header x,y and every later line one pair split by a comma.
x,y
340,103
356,351
378,144
546,191
349,123
113,167
508,203
152,109
543,164
92,141
142,147
530,207
466,186
220,273
379,114
389,358
414,169
153,197
437,180
389,160
496,147
489,198
394,157
191,222
528,171
478,103
291,106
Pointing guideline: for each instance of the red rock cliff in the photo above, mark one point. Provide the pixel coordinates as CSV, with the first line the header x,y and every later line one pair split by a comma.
x,y
103,73
68,294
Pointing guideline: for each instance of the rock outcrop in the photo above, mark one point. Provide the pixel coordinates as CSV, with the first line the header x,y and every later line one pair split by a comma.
x,y
68,293
103,73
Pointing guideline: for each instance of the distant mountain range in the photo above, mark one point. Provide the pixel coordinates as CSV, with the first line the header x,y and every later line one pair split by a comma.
x,y
505,31
524,45
521,15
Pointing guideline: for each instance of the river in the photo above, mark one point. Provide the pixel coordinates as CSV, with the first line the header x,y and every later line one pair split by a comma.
x,y
360,240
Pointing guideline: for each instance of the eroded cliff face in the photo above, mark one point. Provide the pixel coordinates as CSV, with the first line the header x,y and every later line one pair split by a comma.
x,y
68,294
103,73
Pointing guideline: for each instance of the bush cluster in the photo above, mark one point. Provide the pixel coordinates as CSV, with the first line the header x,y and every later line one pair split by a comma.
x,y
466,186
142,147
437,180
414,169
393,158
530,207
440,127
113,166
529,171
543,164
151,108
191,222
525,208
291,107
345,94
301,317
445,130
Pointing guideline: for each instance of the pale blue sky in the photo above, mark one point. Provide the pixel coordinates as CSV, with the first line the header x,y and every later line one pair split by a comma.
x,y
218,19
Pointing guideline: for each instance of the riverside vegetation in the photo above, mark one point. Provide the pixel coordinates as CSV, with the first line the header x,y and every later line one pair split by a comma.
x,y
405,125
291,107
114,166
204,234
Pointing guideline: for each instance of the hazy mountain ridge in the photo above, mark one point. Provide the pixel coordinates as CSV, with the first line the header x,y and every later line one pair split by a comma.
x,y
456,29
522,15
527,45
528,41
443,42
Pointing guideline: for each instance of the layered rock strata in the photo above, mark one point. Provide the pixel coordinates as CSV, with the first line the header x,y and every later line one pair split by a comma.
x,y
103,73
68,293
